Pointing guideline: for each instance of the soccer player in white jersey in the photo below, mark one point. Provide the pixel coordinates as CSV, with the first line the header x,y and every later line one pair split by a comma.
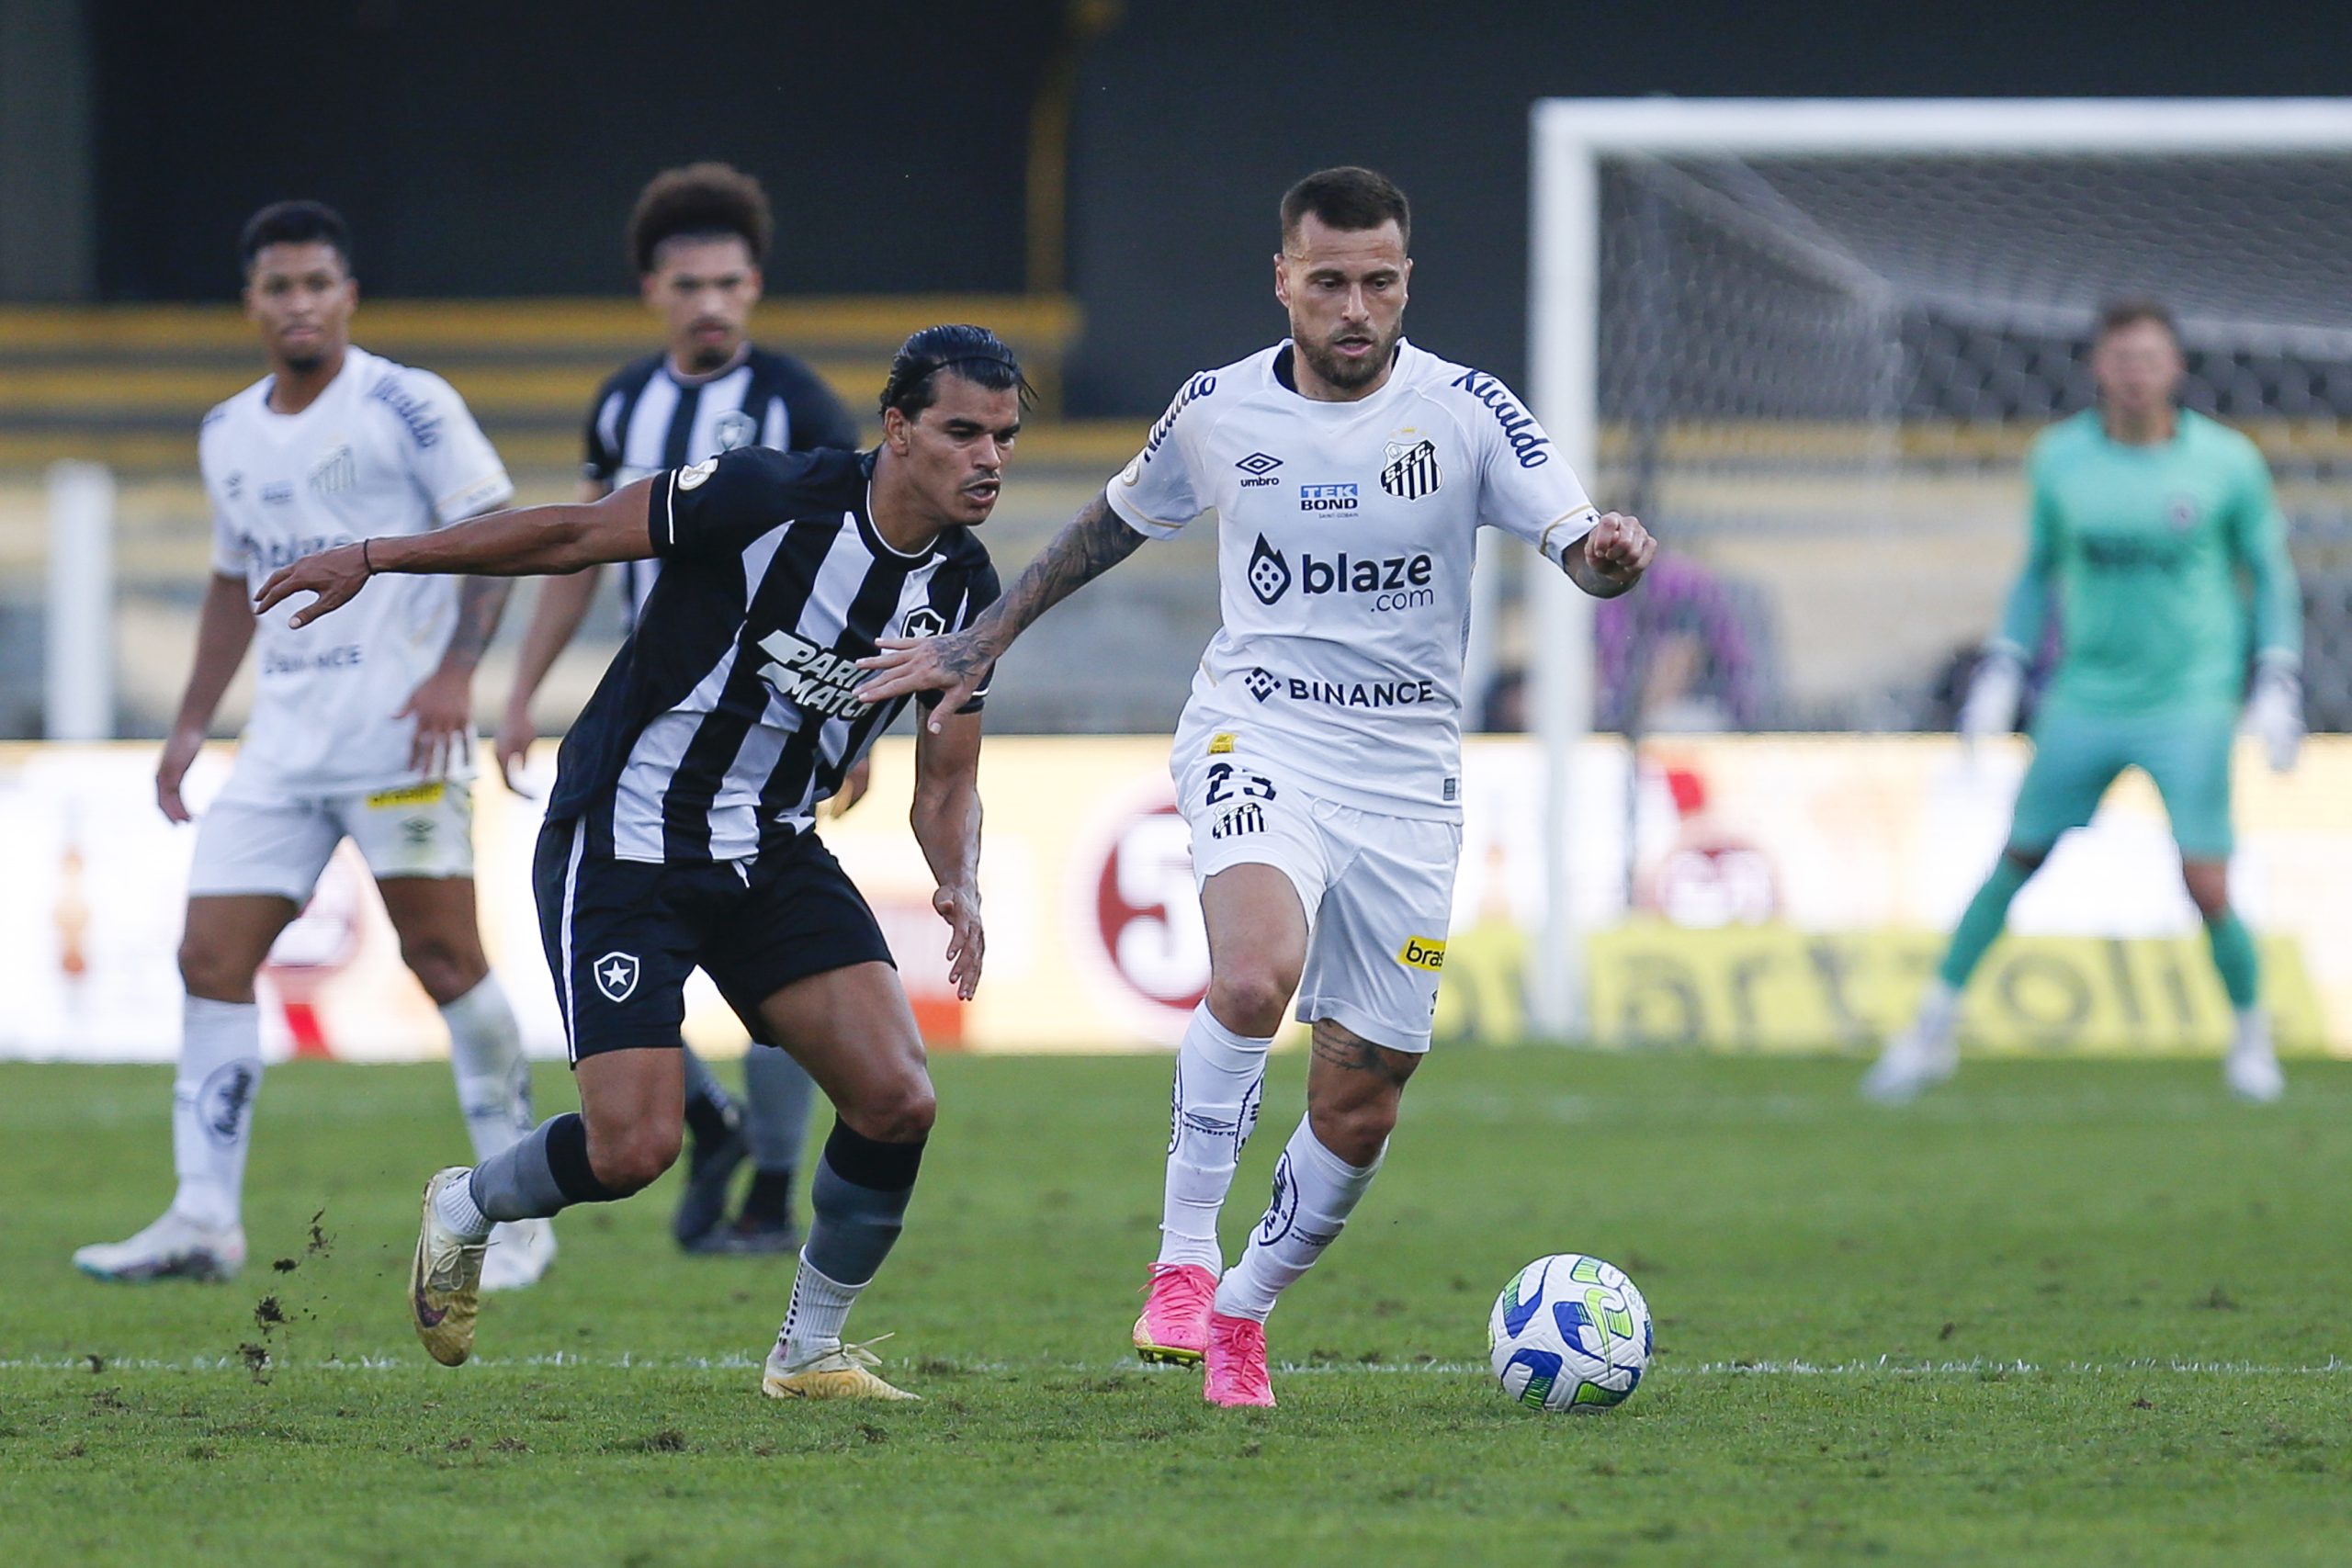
x,y
358,730
1317,762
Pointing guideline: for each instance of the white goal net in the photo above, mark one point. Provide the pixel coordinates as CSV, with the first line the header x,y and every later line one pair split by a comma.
x,y
1808,344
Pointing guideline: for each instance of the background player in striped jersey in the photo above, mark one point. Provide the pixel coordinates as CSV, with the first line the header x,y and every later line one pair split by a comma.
x,y
680,833
698,240
361,730
1317,761
2145,517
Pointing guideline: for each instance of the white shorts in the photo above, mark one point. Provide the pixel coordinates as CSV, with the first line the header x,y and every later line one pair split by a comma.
x,y
280,846
1378,890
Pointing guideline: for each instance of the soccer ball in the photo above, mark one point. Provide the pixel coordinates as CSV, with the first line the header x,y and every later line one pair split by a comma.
x,y
1569,1333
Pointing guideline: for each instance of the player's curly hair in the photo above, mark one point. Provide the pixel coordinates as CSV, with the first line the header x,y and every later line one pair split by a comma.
x,y
294,224
699,202
976,353
1348,197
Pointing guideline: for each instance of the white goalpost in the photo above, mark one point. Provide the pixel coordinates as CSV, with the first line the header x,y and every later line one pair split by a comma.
x,y
1769,324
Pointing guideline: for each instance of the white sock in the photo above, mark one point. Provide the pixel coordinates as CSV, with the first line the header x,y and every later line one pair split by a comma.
x,y
2252,1035
212,1108
812,1323
1939,1015
1315,1191
1212,1106
457,1208
493,1080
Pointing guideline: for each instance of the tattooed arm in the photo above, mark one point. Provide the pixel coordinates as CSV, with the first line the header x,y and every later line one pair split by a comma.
x,y
1090,545
442,707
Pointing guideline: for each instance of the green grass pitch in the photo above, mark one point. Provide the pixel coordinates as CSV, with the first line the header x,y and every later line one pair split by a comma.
x,y
2063,1313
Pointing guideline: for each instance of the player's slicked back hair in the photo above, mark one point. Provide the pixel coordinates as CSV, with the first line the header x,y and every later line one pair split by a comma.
x,y
2118,314
702,201
294,224
974,354
1350,198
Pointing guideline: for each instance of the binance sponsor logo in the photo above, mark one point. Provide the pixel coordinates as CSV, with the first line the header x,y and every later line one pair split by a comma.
x,y
411,794
1422,953
1221,743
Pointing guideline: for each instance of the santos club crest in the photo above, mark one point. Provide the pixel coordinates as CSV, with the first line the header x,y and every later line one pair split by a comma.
x,y
1412,471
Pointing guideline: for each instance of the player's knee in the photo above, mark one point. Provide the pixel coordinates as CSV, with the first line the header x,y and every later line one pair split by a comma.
x,y
2209,888
629,1158
1249,999
211,972
901,1114
1355,1130
447,969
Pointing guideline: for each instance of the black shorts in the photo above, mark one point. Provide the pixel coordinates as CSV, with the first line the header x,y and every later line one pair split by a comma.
x,y
622,935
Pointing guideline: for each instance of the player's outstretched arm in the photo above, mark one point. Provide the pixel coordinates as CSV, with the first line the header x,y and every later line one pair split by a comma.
x,y
529,541
1613,557
1089,544
946,820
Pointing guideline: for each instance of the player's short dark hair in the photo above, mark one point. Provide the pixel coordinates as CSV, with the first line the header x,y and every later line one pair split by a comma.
x,y
974,354
700,201
294,224
1350,198
2118,314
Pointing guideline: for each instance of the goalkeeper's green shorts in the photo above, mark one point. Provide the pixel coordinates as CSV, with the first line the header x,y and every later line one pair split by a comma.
x,y
2077,754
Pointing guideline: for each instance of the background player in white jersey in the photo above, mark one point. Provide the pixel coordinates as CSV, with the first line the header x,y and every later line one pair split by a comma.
x,y
358,730
1317,761
698,239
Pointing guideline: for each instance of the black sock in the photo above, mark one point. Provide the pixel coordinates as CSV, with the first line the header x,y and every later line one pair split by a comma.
x,y
768,1203
567,1157
709,1117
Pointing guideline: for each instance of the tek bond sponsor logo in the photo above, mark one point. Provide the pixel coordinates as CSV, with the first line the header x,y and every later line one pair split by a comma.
x,y
1328,498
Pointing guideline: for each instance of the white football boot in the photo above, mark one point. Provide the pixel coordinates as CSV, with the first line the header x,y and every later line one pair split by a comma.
x,y
1921,1056
520,1251
2251,1070
173,1247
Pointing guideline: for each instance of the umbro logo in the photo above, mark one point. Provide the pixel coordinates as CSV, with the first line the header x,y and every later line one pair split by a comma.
x,y
616,975
1258,464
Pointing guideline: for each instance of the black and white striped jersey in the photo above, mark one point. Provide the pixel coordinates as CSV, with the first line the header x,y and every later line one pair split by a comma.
x,y
646,420
731,711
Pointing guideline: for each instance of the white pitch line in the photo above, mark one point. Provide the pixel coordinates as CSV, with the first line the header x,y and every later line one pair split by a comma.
x,y
1883,1366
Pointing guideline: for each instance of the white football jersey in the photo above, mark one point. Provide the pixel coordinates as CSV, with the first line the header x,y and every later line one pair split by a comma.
x,y
1345,536
385,450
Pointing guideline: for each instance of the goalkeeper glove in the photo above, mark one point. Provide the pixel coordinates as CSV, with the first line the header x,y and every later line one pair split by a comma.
x,y
2274,709
1993,693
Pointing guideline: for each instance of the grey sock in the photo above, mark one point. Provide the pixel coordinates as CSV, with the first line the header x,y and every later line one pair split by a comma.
x,y
777,1094
859,1194
519,1182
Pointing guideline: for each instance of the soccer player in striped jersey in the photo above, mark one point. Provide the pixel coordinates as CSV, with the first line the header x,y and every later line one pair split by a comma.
x,y
698,240
2146,517
680,833
1318,763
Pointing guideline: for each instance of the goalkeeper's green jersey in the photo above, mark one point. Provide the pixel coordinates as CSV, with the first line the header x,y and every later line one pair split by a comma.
x,y
2143,547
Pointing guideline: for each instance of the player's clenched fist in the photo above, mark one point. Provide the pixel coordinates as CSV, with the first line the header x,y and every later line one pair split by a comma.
x,y
333,575
1619,548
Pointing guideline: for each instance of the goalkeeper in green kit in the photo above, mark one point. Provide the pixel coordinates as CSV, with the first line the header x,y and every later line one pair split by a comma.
x,y
2155,531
